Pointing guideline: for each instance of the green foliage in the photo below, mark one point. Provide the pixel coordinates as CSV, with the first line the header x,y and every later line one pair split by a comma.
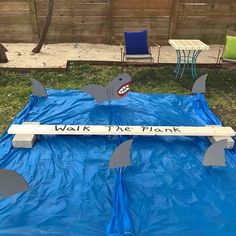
x,y
15,88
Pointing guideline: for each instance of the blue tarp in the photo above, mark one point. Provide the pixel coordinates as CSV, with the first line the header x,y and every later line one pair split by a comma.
x,y
166,191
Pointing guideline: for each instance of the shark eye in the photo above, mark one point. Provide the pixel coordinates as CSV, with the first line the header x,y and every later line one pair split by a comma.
x,y
120,79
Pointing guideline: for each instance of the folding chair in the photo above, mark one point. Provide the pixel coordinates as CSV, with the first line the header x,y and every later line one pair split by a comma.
x,y
227,53
136,47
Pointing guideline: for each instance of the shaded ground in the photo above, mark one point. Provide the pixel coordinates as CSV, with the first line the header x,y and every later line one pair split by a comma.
x,y
221,88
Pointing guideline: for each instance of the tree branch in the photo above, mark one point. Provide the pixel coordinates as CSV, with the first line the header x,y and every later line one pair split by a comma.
x,y
45,27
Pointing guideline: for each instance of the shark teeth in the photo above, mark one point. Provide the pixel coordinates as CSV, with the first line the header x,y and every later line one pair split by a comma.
x,y
123,90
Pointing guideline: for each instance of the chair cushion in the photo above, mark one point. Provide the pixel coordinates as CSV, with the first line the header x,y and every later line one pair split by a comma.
x,y
136,42
230,48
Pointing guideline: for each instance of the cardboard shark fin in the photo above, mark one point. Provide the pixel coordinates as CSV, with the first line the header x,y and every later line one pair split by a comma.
x,y
200,84
38,89
96,91
121,155
215,154
11,183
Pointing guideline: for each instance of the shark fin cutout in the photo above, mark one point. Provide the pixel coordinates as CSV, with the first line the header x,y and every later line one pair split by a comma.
x,y
215,154
200,84
11,183
96,91
38,89
121,155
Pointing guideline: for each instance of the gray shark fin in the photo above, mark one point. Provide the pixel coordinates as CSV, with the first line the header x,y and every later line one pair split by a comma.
x,y
38,89
11,183
200,84
121,155
215,154
99,92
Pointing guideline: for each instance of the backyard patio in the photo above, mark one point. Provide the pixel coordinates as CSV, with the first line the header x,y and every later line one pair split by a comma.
x,y
117,117
221,87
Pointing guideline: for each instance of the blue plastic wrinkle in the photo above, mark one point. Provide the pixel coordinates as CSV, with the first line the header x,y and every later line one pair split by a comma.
x,y
167,190
120,223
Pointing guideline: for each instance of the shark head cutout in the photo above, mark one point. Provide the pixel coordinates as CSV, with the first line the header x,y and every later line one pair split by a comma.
x,y
121,155
11,183
119,86
116,89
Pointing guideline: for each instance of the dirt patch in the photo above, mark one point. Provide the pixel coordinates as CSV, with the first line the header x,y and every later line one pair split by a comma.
x,y
56,55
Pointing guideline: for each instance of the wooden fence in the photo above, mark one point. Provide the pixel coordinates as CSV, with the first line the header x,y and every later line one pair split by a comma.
x,y
104,21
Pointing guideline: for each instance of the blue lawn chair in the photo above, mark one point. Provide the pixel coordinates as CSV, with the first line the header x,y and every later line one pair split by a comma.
x,y
136,47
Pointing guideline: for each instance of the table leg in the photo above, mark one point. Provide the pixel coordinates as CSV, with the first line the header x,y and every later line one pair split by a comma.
x,y
178,64
194,60
184,59
189,58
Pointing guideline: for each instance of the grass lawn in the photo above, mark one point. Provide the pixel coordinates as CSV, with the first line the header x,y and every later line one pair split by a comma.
x,y
15,88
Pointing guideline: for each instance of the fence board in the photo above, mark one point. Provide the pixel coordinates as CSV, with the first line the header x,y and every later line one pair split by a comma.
x,y
15,22
104,21
8,6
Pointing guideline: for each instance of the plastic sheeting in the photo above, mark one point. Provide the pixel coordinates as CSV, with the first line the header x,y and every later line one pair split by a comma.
x,y
166,191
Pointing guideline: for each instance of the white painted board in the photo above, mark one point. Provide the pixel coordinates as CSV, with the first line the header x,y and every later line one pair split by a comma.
x,y
121,130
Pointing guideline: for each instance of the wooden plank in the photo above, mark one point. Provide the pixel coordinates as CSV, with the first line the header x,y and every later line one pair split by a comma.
x,y
78,31
142,6
174,18
158,23
152,31
7,1
77,6
142,2
141,13
16,38
110,21
151,36
195,7
14,28
203,19
138,19
19,19
8,6
216,131
87,27
75,37
154,12
14,12
73,12
75,19
70,2
202,31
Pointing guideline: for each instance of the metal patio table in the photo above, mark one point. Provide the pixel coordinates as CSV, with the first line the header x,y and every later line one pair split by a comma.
x,y
187,52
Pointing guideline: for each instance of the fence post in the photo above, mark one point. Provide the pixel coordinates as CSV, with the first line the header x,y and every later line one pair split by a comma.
x,y
110,40
34,20
174,18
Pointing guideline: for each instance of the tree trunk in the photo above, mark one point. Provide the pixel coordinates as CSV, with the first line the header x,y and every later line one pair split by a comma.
x,y
45,27
3,56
